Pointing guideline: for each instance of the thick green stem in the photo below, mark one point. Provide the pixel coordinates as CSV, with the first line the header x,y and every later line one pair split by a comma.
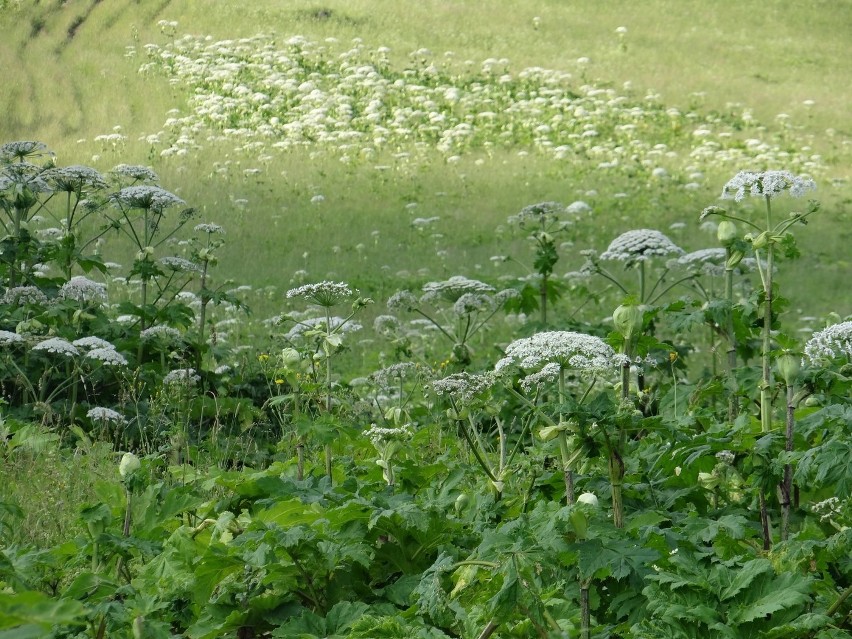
x,y
787,482
733,404
585,614
563,445
766,382
543,294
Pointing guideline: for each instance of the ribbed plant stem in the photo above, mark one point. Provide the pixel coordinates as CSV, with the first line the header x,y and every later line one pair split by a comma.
x,y
766,382
733,404
787,483
585,615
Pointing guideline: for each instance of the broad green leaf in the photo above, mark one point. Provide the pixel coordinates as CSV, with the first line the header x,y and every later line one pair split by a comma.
x,y
744,575
34,608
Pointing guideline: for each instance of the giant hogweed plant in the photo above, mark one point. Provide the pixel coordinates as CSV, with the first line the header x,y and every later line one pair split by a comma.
x,y
545,222
458,308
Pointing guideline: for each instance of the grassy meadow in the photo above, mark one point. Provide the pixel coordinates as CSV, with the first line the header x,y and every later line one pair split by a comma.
x,y
68,90
372,318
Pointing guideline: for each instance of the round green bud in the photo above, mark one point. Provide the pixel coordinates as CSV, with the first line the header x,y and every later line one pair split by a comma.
x,y
628,320
129,464
789,366
462,502
726,232
588,498
290,357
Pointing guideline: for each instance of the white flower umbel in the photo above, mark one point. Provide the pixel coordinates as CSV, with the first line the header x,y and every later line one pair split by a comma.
x,y
568,349
333,324
208,228
161,333
391,376
463,387
452,289
766,184
832,342
181,377
470,303
23,148
72,179
82,289
144,196
7,337
107,356
640,245
91,342
106,416
23,295
57,346
325,294
135,172
178,264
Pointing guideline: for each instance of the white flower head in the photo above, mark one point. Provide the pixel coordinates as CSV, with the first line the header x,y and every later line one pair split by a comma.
x,y
72,179
391,376
23,148
471,303
145,196
8,337
135,172
208,228
379,435
181,377
57,346
336,325
23,295
325,294
568,349
82,289
640,245
452,289
537,213
387,325
107,356
830,343
464,387
160,332
106,416
402,301
178,264
91,342
769,184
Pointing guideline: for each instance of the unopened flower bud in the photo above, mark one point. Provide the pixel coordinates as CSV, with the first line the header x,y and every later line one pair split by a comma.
x,y
734,259
628,320
789,366
290,357
726,232
588,498
129,464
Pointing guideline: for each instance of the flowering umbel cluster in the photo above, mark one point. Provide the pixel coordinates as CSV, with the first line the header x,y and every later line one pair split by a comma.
x,y
640,245
768,184
325,294
567,349
829,343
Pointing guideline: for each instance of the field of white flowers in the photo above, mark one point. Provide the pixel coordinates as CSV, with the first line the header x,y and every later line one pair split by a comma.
x,y
438,393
